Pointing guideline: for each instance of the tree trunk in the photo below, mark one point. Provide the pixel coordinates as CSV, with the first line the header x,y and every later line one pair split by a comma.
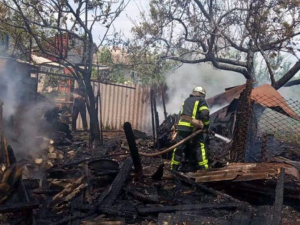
x,y
244,115
93,112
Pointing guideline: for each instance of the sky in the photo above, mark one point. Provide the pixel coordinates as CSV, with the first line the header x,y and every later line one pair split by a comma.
x,y
124,22
132,12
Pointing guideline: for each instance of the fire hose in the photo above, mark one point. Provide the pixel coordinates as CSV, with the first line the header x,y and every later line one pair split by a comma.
x,y
183,141
172,147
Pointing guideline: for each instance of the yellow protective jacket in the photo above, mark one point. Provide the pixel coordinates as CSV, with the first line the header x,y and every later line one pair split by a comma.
x,y
197,108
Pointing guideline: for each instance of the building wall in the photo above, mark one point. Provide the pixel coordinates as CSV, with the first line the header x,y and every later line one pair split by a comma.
x,y
123,104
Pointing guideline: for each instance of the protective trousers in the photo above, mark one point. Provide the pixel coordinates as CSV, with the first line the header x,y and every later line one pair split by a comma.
x,y
79,107
198,146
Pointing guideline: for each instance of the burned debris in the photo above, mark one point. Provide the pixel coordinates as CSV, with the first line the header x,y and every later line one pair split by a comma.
x,y
104,190
128,180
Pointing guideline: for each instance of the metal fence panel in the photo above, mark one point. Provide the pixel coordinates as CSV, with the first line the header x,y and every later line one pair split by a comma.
x,y
123,104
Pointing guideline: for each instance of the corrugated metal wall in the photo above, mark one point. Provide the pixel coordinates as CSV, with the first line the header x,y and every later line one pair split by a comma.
x,y
123,104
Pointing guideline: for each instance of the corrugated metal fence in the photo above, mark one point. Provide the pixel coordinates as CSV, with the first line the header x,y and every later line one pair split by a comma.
x,y
123,104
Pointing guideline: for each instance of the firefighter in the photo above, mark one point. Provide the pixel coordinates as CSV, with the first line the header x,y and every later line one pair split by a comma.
x,y
194,115
79,107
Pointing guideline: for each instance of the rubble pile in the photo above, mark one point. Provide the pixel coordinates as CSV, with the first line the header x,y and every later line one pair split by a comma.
x,y
72,184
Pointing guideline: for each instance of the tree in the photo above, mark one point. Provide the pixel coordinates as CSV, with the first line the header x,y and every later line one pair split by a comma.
x,y
148,65
228,34
225,33
48,22
118,65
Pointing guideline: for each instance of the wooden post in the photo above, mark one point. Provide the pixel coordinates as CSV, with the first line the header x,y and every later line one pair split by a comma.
x,y
164,100
133,151
279,193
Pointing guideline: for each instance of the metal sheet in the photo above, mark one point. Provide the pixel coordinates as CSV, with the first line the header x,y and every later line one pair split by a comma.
x,y
120,105
244,172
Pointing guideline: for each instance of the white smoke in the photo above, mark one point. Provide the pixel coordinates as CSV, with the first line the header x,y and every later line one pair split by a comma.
x,y
292,92
181,82
21,115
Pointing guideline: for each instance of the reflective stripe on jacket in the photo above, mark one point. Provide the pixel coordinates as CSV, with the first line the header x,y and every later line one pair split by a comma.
x,y
195,107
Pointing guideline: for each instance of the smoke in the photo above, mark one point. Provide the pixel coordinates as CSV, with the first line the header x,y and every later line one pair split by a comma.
x,y
22,116
181,82
292,92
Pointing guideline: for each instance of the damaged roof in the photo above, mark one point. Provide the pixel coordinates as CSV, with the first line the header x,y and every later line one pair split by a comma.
x,y
264,95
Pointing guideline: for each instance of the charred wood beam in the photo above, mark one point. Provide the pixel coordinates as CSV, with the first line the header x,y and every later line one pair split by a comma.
x,y
205,189
17,207
279,198
109,196
159,209
133,151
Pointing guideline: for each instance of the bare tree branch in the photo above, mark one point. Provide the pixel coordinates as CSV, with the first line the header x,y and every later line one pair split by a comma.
x,y
289,75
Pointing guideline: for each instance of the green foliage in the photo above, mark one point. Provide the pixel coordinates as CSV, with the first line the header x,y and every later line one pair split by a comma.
x,y
105,57
146,65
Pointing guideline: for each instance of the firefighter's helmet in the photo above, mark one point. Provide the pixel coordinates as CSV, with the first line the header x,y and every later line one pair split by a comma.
x,y
200,90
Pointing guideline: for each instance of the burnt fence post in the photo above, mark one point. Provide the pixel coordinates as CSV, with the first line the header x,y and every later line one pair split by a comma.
x,y
133,151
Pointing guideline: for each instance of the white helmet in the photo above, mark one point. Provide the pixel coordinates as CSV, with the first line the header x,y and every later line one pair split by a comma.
x,y
200,90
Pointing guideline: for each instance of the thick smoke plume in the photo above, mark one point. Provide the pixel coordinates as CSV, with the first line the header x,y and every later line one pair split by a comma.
x,y
22,112
181,82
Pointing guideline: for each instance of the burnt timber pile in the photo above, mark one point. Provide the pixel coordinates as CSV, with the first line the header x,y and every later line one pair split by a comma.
x,y
80,186
69,183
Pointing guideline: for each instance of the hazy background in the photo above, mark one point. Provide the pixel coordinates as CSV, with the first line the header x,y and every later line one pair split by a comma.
x,y
181,82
